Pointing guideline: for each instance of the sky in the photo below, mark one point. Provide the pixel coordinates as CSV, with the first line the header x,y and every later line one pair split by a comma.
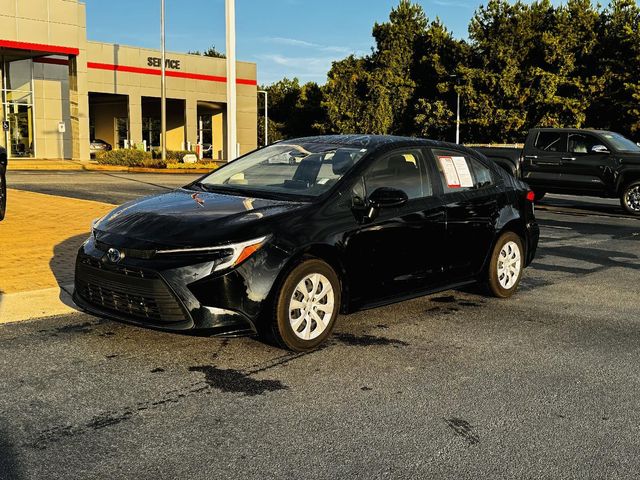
x,y
286,38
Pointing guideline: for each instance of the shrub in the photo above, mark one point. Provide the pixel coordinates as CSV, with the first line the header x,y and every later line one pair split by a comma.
x,y
126,157
130,157
173,156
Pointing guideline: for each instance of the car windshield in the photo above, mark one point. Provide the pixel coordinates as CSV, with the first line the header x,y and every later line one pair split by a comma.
x,y
287,168
621,143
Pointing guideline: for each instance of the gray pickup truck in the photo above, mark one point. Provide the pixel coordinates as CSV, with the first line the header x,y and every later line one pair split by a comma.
x,y
576,162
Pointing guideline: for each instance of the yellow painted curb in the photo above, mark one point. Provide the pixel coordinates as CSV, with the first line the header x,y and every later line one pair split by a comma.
x,y
47,302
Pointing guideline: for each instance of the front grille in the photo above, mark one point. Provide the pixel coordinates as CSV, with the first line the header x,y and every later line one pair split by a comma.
x,y
129,291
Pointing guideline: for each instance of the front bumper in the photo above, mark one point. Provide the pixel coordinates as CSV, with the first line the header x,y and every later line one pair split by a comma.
x,y
173,294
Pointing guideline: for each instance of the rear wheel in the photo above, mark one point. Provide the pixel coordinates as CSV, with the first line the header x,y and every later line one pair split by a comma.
x,y
306,306
507,262
630,198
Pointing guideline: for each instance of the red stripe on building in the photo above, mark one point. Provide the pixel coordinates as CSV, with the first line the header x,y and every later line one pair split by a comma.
x,y
39,47
52,61
170,73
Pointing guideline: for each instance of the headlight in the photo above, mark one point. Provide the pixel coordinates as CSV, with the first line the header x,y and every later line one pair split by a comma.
x,y
238,252
95,222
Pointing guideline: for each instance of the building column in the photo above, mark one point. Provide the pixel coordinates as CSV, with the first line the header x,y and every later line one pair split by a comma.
x,y
135,119
191,121
78,109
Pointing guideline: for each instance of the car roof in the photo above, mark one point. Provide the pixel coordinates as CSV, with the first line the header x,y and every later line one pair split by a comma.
x,y
579,130
374,142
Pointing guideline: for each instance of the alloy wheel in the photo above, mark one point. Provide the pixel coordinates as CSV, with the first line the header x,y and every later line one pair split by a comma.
x,y
311,306
632,198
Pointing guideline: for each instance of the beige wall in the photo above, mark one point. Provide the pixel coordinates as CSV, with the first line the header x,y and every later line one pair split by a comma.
x,y
137,85
59,96
58,23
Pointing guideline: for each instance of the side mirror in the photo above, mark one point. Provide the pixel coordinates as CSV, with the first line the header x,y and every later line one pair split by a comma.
x,y
599,149
386,197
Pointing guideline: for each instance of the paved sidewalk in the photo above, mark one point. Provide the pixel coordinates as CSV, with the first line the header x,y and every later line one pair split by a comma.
x,y
38,241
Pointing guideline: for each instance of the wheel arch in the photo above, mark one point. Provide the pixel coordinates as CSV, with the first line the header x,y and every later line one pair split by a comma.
x,y
515,225
627,179
327,253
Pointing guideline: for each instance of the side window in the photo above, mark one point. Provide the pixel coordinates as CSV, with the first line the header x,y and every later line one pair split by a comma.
x,y
402,170
551,142
582,143
460,172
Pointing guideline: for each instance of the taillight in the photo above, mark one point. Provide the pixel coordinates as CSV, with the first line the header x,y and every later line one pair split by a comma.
x,y
531,196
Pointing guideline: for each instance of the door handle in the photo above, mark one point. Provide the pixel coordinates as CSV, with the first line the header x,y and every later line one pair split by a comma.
x,y
531,157
571,159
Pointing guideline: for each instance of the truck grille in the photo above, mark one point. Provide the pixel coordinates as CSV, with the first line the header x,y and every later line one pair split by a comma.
x,y
128,291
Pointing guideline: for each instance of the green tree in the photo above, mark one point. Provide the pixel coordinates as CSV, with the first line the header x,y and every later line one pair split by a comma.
x,y
394,61
294,110
209,52
354,101
433,107
617,65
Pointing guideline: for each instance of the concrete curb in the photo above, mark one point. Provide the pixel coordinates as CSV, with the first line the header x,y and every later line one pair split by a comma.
x,y
48,302
70,165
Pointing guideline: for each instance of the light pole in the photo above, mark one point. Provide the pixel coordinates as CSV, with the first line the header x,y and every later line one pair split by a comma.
x,y
458,121
163,88
266,116
232,139
457,112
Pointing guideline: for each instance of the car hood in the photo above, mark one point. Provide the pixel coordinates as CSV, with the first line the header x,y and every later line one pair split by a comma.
x,y
187,218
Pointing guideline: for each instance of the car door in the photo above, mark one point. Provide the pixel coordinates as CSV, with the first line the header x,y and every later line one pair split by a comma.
x,y
471,198
397,251
584,169
543,160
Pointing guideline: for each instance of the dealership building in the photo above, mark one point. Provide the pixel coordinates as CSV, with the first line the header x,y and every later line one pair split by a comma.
x,y
61,91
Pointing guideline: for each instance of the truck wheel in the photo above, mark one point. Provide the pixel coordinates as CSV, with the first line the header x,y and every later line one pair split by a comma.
x,y
630,198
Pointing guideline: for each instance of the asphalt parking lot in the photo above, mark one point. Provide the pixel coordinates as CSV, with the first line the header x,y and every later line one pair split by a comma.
x,y
454,385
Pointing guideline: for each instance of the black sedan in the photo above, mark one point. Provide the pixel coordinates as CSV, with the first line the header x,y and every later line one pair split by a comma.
x,y
279,249
3,182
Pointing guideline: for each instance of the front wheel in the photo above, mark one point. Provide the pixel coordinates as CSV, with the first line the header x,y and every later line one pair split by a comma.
x,y
307,306
630,198
507,262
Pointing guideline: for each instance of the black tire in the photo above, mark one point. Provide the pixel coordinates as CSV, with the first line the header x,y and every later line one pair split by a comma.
x,y
281,329
630,198
494,276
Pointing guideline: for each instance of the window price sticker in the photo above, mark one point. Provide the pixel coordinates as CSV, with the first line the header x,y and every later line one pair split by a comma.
x,y
464,175
456,172
450,173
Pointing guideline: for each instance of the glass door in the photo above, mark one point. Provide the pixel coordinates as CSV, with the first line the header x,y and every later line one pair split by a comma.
x,y
17,97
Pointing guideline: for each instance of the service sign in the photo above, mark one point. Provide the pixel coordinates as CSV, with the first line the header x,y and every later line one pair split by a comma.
x,y
168,63
5,126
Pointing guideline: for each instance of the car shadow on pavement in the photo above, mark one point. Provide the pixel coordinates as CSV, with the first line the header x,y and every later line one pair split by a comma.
x,y
9,468
62,265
